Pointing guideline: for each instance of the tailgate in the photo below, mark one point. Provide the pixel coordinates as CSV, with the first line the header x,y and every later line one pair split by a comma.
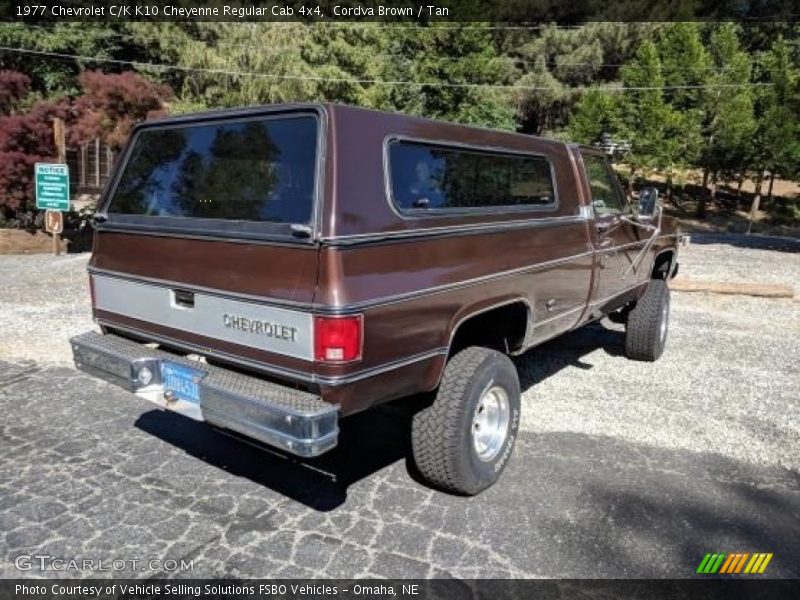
x,y
247,301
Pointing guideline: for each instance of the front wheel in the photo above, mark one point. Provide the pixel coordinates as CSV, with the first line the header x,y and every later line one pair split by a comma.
x,y
462,442
648,323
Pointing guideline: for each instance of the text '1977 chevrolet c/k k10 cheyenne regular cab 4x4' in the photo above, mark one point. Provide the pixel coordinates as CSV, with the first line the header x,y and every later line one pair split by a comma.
x,y
272,270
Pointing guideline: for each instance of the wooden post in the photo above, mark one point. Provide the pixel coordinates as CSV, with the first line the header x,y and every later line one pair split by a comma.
x,y
59,137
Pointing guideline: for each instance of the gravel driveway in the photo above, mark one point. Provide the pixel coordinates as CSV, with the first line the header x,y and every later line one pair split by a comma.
x,y
622,469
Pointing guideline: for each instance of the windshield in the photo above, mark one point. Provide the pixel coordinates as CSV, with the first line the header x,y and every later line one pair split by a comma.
x,y
251,170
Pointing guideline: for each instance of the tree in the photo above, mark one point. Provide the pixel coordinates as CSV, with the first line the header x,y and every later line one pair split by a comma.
x,y
56,77
598,112
229,65
729,121
562,61
25,139
463,59
685,64
14,86
776,146
112,103
645,112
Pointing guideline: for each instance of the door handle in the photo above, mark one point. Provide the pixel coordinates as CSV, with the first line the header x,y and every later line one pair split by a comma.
x,y
606,243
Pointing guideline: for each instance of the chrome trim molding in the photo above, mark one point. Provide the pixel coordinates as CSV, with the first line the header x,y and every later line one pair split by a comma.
x,y
384,368
294,243
451,230
467,317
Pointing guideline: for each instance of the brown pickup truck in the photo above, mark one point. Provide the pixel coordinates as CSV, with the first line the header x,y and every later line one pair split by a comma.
x,y
271,270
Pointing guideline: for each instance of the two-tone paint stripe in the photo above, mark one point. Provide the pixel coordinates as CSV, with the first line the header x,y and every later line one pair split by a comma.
x,y
734,563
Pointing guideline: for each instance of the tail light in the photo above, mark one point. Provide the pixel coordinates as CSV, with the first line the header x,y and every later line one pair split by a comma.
x,y
338,339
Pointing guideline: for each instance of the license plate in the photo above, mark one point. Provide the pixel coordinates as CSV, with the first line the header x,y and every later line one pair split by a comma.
x,y
182,381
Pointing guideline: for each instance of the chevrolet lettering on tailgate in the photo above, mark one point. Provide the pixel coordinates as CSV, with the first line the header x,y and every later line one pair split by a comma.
x,y
274,330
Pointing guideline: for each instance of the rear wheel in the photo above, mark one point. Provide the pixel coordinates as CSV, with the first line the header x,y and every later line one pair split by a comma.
x,y
648,323
462,442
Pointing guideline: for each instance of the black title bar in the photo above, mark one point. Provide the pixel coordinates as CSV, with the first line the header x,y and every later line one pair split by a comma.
x,y
430,11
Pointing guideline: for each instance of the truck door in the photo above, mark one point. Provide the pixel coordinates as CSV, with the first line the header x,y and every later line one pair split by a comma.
x,y
616,241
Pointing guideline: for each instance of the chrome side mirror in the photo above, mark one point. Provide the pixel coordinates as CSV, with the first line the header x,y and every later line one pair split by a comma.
x,y
648,201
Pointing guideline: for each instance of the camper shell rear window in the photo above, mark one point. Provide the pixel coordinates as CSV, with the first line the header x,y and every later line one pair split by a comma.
x,y
255,174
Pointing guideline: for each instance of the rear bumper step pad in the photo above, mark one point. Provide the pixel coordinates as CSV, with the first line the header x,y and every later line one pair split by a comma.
x,y
296,421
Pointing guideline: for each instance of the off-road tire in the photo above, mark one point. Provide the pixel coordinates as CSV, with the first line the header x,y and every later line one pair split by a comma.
x,y
644,337
441,434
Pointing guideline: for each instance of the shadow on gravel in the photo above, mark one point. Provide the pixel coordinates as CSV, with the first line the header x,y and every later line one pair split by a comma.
x,y
368,442
568,350
569,504
655,512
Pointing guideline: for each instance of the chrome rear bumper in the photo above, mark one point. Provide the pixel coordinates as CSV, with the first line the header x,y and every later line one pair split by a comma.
x,y
296,421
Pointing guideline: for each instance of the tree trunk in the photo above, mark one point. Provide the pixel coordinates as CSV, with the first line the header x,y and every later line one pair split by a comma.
x,y
701,207
756,201
701,203
771,183
713,195
739,182
669,184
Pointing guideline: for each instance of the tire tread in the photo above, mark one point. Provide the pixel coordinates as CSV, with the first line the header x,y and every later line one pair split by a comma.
x,y
435,430
642,335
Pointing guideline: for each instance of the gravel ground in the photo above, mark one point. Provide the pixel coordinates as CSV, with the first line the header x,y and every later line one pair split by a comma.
x,y
44,301
621,469
727,383
735,263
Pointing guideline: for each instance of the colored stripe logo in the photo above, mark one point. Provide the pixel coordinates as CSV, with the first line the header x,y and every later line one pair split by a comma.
x,y
735,563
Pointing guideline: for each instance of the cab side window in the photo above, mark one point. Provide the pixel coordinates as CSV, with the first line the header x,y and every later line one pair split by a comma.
x,y
427,177
607,199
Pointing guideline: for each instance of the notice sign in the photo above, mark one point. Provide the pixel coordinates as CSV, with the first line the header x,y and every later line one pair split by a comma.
x,y
52,186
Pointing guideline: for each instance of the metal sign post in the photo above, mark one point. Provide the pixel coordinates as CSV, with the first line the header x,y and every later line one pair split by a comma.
x,y
52,184
52,192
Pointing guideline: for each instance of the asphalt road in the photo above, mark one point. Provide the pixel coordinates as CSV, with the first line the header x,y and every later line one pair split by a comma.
x,y
621,469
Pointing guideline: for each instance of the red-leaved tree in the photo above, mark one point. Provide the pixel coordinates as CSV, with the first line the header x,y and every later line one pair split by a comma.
x,y
112,103
25,139
109,107
13,87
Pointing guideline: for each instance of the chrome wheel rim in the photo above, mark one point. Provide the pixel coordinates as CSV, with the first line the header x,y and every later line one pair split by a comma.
x,y
490,422
664,321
